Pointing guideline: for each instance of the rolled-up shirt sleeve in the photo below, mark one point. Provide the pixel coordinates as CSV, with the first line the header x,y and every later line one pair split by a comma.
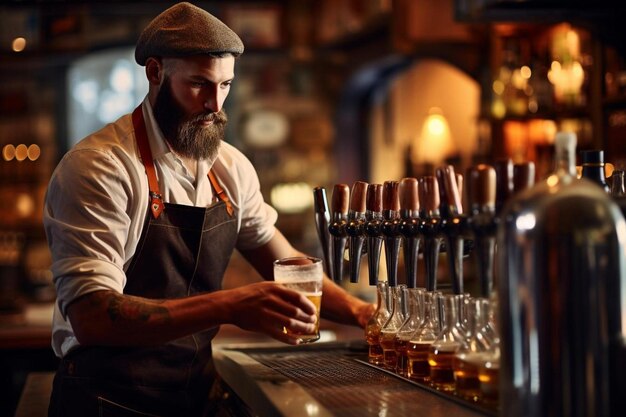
x,y
258,228
87,224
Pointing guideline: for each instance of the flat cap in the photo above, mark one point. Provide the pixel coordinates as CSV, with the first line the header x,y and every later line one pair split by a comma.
x,y
183,30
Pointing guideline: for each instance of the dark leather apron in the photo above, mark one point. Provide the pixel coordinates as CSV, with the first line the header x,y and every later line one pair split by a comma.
x,y
183,250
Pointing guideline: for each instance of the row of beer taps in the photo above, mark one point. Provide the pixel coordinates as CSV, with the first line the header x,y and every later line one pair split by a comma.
x,y
418,216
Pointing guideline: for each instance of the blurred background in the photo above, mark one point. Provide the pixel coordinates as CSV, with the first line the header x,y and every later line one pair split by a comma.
x,y
327,91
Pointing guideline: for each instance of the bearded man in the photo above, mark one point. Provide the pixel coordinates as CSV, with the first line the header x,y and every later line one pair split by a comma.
x,y
142,218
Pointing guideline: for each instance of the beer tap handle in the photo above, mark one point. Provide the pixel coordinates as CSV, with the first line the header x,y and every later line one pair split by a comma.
x,y
322,221
374,217
337,228
523,176
356,228
444,200
391,221
409,226
374,201
341,193
430,225
408,196
391,200
358,200
504,182
450,187
453,225
482,200
429,196
482,189
459,187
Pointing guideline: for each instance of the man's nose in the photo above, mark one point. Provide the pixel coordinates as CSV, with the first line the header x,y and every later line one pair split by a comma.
x,y
212,101
212,106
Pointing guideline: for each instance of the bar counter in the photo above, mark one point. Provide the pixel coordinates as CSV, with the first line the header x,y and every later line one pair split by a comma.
x,y
330,377
326,379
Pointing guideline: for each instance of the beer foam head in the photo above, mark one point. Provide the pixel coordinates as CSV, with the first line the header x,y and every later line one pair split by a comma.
x,y
475,358
446,346
298,269
422,342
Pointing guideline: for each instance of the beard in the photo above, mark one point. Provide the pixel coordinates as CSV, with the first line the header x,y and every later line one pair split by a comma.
x,y
185,133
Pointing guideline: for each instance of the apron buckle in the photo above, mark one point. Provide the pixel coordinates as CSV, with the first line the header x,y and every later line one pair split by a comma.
x,y
156,205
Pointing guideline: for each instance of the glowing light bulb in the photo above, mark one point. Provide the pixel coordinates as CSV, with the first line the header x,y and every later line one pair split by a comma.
x,y
8,152
33,152
20,152
18,44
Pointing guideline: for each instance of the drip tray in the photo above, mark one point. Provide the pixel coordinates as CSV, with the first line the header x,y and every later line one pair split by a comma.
x,y
329,379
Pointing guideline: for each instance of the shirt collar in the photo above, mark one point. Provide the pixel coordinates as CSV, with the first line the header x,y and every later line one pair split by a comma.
x,y
158,145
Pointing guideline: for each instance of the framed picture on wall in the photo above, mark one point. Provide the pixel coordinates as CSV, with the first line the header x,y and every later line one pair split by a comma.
x,y
259,26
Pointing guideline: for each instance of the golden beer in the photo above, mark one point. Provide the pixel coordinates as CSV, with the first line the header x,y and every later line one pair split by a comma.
x,y
418,368
401,355
440,359
305,275
375,353
389,351
316,299
488,375
466,375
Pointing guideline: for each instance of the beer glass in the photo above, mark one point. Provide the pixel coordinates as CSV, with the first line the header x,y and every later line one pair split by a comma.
x,y
443,350
426,333
305,275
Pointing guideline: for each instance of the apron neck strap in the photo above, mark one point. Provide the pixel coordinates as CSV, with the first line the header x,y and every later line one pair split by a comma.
x,y
220,192
156,198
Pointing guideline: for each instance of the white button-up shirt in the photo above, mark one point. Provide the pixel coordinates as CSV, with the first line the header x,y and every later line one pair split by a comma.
x,y
97,203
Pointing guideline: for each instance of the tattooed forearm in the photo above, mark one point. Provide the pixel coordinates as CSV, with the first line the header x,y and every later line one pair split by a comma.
x,y
129,308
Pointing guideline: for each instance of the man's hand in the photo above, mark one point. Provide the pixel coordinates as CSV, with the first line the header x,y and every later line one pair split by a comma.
x,y
267,307
364,312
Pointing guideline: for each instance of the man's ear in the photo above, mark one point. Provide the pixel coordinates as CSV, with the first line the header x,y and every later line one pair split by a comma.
x,y
154,71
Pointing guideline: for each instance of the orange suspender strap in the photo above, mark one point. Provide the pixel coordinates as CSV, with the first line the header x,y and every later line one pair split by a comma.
x,y
156,199
220,192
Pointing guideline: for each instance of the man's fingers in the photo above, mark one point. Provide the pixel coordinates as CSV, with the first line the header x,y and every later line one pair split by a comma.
x,y
297,299
282,336
288,310
287,327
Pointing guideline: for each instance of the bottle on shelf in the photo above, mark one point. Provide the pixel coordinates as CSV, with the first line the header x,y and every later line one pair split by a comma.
x,y
540,99
618,186
618,189
593,168
513,83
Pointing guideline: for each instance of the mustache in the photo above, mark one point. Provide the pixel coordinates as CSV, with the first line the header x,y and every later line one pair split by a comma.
x,y
215,117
